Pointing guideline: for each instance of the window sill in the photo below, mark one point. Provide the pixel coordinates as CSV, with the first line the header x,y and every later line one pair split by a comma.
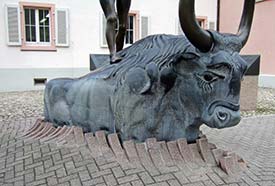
x,y
39,48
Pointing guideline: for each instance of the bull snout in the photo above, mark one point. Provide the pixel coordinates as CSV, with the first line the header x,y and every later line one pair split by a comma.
x,y
222,114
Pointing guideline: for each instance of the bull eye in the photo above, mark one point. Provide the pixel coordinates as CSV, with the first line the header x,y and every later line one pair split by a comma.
x,y
208,77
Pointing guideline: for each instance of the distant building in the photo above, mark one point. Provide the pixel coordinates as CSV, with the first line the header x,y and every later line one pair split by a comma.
x,y
262,38
45,39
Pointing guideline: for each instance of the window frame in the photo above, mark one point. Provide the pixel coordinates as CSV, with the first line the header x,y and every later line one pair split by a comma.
x,y
136,16
37,46
203,19
136,29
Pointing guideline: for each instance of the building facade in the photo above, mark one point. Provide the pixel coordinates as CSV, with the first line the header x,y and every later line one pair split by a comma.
x,y
262,37
41,40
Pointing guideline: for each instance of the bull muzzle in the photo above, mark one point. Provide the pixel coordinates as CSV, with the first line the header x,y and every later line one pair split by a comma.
x,y
222,114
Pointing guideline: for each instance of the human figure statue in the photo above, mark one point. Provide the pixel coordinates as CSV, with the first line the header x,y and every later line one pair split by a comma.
x,y
115,41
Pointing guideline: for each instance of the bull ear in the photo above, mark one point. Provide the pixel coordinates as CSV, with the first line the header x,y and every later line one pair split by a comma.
x,y
168,78
138,81
152,71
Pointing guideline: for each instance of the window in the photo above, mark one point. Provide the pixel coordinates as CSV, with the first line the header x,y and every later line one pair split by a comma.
x,y
37,25
38,31
132,31
129,36
202,21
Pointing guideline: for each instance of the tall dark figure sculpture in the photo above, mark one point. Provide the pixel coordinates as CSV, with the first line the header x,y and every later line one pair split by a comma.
x,y
115,41
165,86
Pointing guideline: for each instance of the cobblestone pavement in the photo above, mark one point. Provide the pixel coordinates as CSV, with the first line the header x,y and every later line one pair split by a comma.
x,y
16,105
265,104
25,161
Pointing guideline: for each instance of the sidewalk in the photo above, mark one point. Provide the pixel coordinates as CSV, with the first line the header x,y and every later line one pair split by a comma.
x,y
31,162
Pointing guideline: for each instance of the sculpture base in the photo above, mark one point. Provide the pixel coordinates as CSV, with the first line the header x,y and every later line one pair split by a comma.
x,y
192,160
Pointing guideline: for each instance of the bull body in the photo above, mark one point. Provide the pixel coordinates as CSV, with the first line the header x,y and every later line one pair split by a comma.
x,y
164,87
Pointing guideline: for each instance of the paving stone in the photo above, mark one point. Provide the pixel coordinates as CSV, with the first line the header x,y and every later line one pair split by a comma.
x,y
118,172
205,151
109,165
159,184
164,177
84,175
52,181
134,170
126,179
101,173
76,182
92,167
19,183
29,177
38,182
137,183
131,152
181,177
46,175
61,172
110,180
67,178
174,183
94,181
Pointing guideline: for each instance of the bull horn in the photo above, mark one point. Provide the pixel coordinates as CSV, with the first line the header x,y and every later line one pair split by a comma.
x,y
246,21
202,39
199,37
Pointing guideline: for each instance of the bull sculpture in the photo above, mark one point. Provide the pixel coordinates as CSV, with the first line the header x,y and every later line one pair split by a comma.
x,y
165,86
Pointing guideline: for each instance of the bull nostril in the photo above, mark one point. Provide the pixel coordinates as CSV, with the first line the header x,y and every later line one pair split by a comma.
x,y
222,116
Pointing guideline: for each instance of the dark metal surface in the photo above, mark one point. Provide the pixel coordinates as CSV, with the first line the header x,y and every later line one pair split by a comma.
x,y
98,60
246,21
164,87
253,61
196,35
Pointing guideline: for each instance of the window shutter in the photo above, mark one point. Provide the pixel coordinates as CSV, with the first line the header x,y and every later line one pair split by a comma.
x,y
13,25
62,27
145,24
212,25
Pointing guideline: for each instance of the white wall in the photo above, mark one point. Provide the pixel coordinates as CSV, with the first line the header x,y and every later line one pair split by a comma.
x,y
85,31
85,25
84,39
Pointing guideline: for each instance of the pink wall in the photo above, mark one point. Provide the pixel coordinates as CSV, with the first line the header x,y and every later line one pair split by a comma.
x,y
262,38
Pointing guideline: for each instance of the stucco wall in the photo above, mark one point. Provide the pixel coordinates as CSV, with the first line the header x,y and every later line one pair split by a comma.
x,y
262,36
85,25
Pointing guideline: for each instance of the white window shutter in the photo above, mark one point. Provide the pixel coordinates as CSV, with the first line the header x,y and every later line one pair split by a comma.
x,y
212,25
62,27
13,25
145,26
